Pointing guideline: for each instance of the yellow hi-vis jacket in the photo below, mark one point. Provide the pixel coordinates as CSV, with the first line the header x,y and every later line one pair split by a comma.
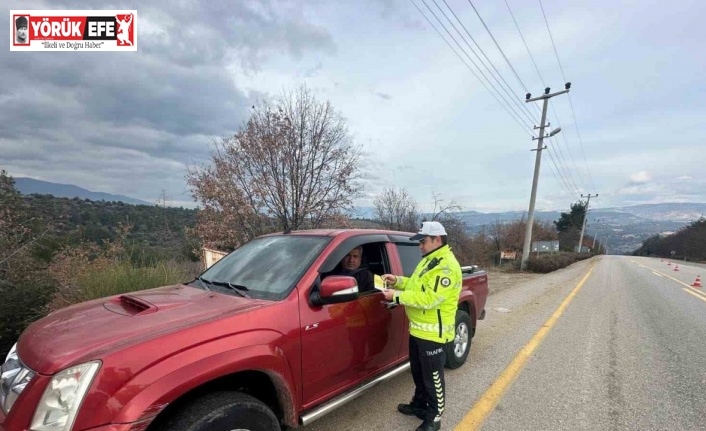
x,y
430,296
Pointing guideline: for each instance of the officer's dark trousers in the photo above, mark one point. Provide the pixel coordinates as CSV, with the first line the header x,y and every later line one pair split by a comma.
x,y
427,360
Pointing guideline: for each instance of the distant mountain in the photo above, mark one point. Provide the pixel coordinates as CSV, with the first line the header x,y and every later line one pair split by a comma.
x,y
29,186
363,212
625,227
685,212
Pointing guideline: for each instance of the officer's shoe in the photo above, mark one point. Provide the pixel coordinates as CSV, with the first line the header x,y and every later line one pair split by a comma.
x,y
429,425
413,409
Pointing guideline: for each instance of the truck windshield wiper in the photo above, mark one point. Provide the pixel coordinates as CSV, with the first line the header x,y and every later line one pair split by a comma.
x,y
204,282
234,287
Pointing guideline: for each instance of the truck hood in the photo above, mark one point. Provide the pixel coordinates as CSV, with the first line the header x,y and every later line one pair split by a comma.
x,y
89,330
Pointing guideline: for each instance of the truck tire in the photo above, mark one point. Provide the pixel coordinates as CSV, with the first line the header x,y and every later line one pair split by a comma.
x,y
223,411
457,350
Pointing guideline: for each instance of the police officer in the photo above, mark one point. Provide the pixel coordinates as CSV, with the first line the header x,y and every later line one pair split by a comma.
x,y
430,297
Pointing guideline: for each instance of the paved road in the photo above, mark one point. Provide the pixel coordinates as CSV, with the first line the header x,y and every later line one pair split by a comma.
x,y
628,352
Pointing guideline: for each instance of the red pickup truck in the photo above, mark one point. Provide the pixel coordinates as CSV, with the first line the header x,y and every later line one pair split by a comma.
x,y
264,339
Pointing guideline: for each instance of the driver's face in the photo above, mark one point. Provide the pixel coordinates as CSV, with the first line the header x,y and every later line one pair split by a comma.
x,y
352,260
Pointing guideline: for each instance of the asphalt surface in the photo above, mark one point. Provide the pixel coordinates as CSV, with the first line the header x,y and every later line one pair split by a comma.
x,y
628,353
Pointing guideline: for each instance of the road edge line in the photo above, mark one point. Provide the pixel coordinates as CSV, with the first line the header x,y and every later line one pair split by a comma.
x,y
490,398
691,288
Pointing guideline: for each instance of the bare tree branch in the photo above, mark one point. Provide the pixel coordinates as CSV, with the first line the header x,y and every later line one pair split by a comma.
x,y
396,210
292,165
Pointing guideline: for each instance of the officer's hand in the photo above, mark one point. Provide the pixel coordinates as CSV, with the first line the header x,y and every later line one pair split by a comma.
x,y
389,294
389,279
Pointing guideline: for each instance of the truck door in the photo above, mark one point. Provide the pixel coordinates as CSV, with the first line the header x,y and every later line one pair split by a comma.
x,y
343,344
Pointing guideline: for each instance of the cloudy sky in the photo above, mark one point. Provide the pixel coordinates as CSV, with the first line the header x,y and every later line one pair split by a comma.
x,y
132,122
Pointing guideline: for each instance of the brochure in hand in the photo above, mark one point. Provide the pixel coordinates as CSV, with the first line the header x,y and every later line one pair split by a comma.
x,y
380,284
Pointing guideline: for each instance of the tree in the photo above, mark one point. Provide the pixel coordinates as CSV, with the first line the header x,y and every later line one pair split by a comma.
x,y
569,226
291,165
442,209
396,210
468,249
688,243
18,229
511,236
25,285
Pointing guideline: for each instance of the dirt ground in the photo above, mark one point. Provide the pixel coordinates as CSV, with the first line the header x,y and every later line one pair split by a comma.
x,y
501,280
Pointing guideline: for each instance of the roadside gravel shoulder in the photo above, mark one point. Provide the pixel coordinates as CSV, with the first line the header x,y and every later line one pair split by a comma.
x,y
499,280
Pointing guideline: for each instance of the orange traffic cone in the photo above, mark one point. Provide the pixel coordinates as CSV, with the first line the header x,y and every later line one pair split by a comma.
x,y
676,268
697,283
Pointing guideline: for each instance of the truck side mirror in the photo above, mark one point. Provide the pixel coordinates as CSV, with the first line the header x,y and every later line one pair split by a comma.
x,y
335,289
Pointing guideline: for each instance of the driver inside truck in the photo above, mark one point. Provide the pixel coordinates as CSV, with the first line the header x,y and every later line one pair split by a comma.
x,y
351,266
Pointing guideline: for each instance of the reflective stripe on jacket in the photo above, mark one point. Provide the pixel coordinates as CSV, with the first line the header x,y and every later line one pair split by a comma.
x,y
430,296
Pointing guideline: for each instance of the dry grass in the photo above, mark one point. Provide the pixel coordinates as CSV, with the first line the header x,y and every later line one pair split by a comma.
x,y
501,279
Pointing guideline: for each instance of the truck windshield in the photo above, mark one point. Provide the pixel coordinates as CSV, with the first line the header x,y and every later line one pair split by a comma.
x,y
267,267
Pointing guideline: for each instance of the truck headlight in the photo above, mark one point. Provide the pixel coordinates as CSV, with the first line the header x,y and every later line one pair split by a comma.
x,y
14,377
62,398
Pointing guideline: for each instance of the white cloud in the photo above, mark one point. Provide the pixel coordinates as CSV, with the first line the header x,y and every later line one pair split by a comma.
x,y
640,177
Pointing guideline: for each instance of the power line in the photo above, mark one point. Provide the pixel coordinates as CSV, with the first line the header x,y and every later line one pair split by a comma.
x,y
565,177
525,42
504,105
560,167
464,51
573,113
562,161
568,147
567,187
566,170
552,39
523,106
541,78
500,49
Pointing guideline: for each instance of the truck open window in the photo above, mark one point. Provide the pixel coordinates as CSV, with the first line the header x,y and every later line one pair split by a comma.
x,y
374,259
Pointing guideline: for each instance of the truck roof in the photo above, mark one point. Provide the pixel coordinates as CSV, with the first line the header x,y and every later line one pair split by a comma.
x,y
346,232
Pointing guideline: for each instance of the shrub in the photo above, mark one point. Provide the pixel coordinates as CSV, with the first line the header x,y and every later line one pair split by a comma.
x,y
24,292
545,263
101,277
90,271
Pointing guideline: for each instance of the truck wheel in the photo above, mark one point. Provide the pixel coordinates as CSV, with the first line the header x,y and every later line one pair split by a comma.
x,y
457,350
223,411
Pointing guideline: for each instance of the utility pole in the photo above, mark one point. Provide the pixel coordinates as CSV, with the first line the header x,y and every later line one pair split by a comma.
x,y
585,217
537,161
598,220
